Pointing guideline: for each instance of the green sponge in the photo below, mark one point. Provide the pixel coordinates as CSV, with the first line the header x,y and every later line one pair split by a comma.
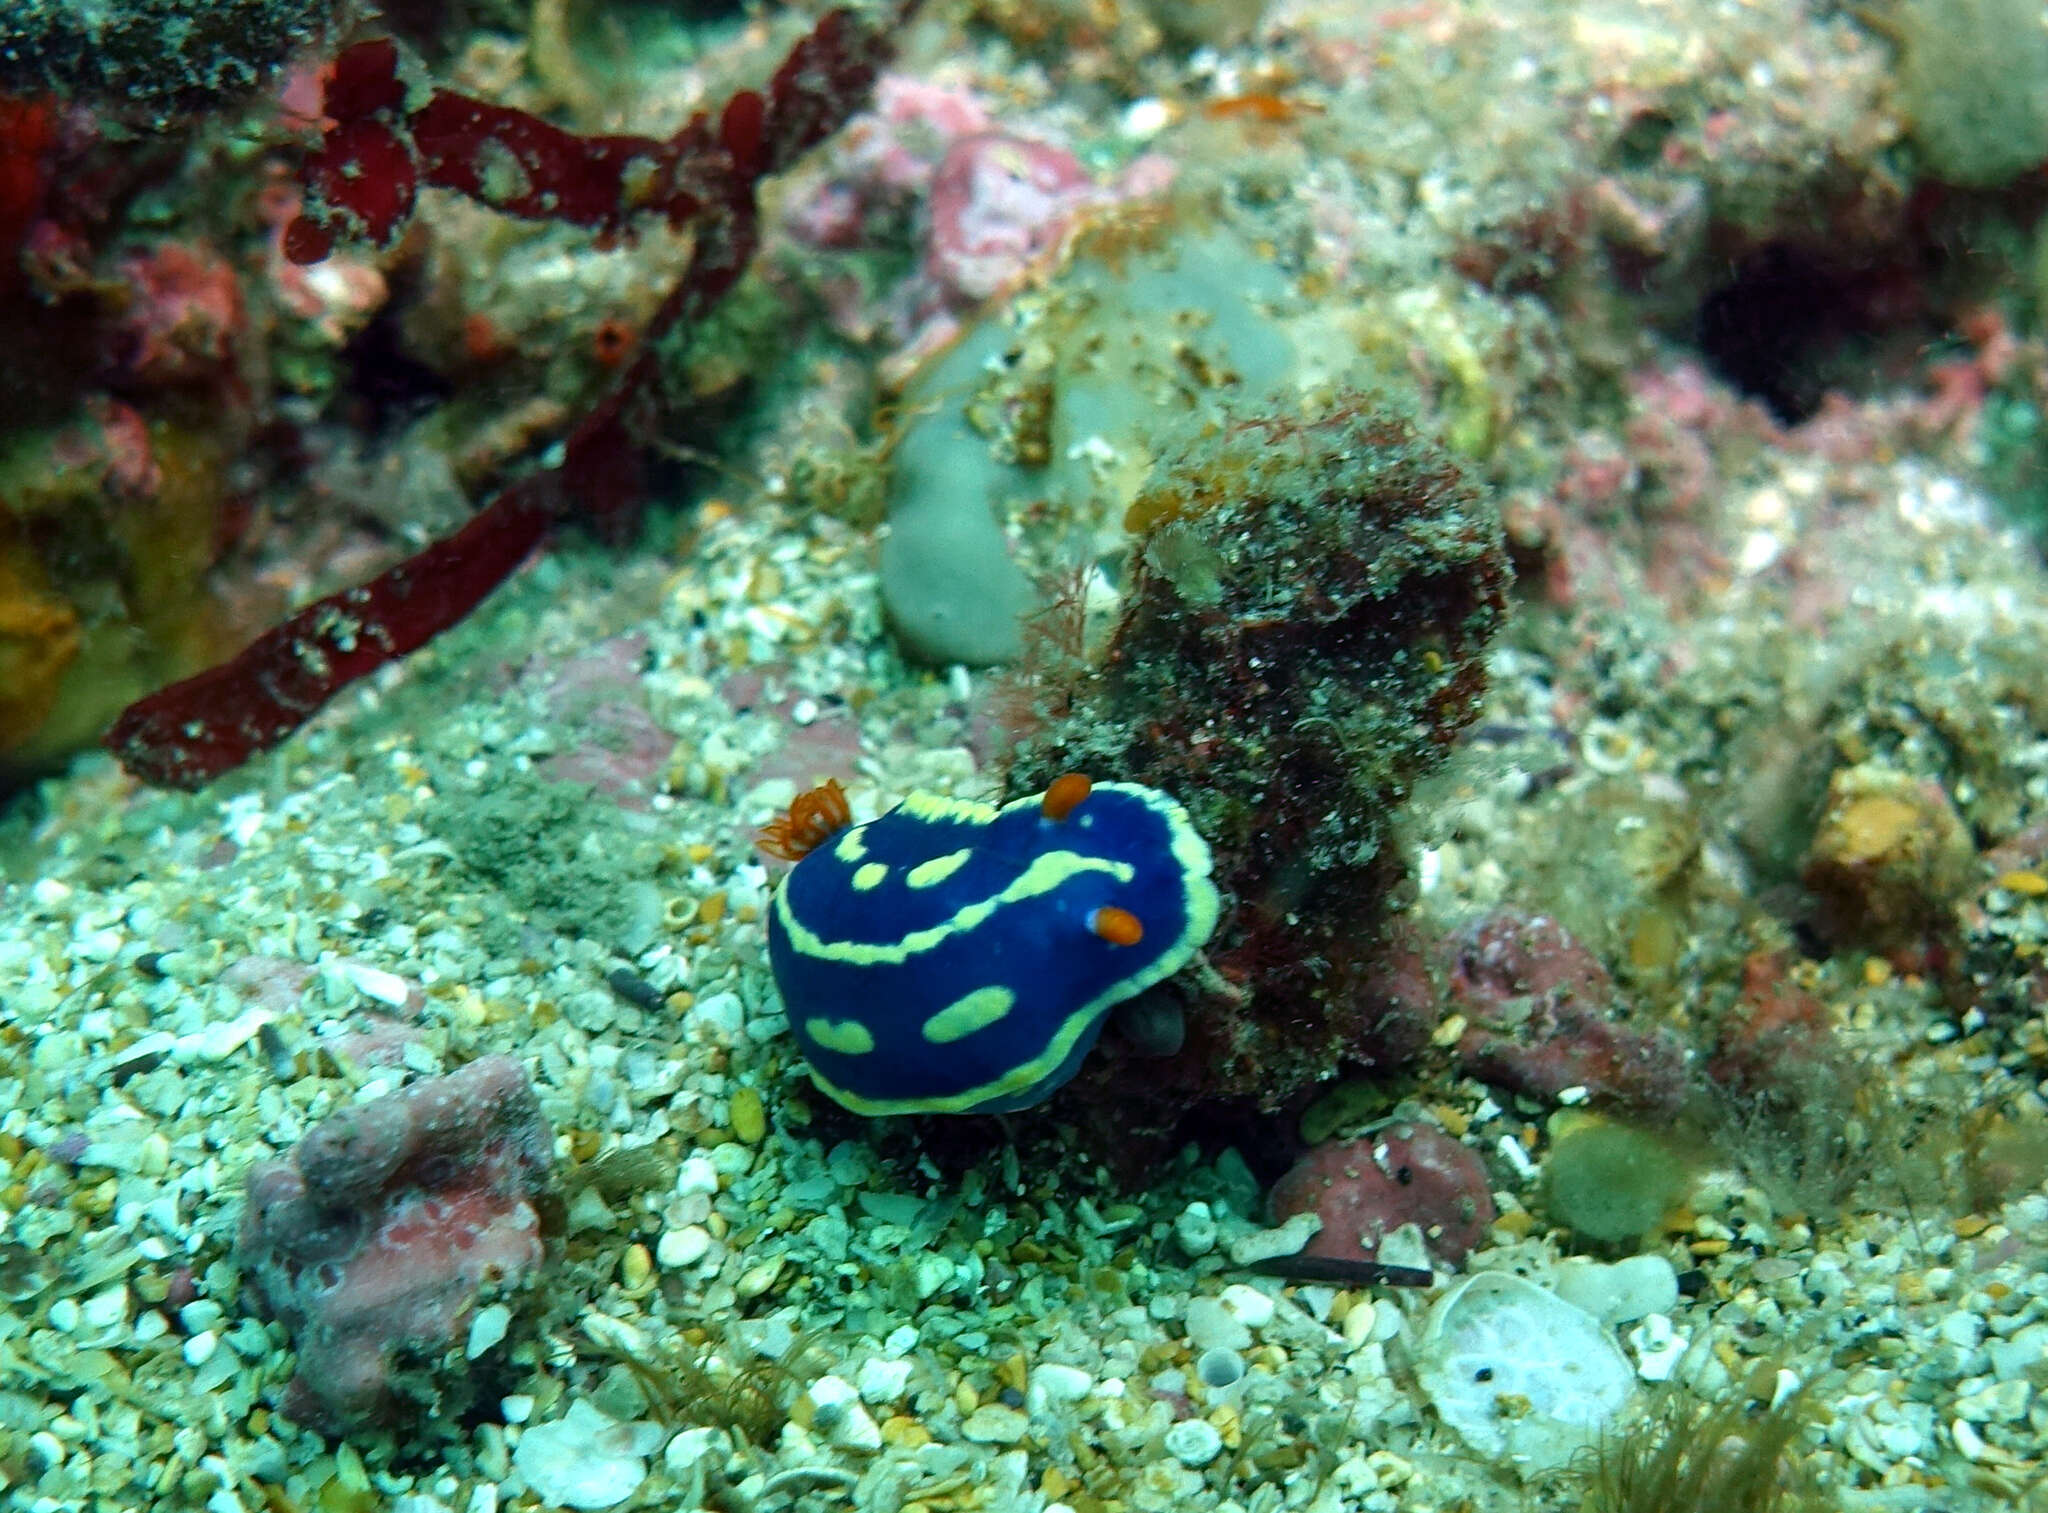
x,y
1973,78
1609,1182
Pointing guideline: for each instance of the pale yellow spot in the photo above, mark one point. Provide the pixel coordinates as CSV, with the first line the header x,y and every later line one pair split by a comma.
x,y
869,875
1044,875
849,1037
934,806
851,848
961,1018
930,874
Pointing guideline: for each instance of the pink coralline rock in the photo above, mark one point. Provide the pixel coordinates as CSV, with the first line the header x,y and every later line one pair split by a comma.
x,y
1398,1006
1364,1189
336,297
374,1040
997,202
275,983
1544,1018
184,315
133,470
619,749
1509,956
377,1240
1776,1035
805,749
883,162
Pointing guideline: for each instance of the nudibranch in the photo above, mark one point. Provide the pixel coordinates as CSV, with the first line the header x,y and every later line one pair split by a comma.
x,y
955,957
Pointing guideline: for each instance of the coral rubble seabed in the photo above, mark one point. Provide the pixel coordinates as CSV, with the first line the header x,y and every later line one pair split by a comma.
x,y
1642,950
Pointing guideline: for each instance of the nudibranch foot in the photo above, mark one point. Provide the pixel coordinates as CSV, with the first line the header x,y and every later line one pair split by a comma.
x,y
956,957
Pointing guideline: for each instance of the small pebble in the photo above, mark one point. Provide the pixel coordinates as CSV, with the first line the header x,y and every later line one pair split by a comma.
x,y
1998,1403
1963,1329
995,1424
1194,1442
200,1313
584,1459
1195,1230
1286,1240
636,1269
221,1039
375,982
104,1311
759,1278
487,1329
1388,1469
153,1158
1253,1308
696,1175
1357,1326
930,1272
635,989
1054,1383
838,1416
2020,1352
687,1246
1213,1326
1620,1292
688,1449
882,1381
749,1116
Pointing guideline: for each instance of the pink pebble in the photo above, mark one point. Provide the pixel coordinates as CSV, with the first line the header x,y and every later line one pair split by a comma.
x,y
1364,1189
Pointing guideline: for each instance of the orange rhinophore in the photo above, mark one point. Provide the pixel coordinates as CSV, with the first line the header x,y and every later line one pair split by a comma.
x,y
1120,927
1064,795
813,819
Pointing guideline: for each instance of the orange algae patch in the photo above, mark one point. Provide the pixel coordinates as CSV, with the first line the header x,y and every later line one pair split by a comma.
x,y
39,640
1260,106
103,576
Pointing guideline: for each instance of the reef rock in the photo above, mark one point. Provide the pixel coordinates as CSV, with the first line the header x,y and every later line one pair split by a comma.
x,y
385,1236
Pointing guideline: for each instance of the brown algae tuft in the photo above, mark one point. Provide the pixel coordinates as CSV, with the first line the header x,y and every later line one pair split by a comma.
x,y
1687,1456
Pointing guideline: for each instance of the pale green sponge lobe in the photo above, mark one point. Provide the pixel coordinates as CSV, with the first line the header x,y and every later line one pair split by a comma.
x,y
1973,78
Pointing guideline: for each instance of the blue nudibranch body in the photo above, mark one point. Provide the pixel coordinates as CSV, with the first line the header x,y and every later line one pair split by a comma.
x,y
953,957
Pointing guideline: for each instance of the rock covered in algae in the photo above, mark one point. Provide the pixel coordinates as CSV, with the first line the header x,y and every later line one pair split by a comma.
x,y
1302,638
1890,857
154,59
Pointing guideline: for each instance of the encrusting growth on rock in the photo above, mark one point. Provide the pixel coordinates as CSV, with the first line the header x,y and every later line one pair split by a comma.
x,y
382,1235
364,178
1302,638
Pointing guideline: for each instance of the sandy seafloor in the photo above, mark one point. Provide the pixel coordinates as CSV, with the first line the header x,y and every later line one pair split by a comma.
x,y
1719,612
